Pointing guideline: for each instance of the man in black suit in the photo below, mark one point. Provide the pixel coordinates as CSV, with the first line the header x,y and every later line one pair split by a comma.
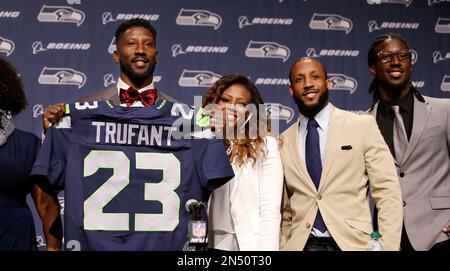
x,y
137,56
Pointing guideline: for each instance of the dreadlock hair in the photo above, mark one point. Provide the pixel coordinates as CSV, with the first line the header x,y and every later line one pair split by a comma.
x,y
12,94
372,58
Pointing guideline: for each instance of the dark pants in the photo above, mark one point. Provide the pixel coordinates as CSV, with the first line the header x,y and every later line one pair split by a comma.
x,y
321,244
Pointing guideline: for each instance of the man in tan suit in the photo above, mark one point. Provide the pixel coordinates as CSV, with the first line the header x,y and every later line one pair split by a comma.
x,y
331,158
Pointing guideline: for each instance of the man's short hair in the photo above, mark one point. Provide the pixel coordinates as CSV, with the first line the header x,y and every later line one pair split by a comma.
x,y
291,70
134,23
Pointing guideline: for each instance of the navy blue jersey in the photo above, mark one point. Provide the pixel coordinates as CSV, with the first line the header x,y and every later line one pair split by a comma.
x,y
127,177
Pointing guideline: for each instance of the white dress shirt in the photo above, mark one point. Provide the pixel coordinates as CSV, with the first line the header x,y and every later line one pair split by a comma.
x,y
323,119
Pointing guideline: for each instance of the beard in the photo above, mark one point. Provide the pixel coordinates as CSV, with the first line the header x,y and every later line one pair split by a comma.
x,y
137,78
310,111
393,90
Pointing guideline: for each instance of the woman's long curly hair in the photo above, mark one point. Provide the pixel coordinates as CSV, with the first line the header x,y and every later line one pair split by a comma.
x,y
12,94
247,149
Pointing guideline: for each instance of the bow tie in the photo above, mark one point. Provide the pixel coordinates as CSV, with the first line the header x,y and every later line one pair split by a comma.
x,y
131,95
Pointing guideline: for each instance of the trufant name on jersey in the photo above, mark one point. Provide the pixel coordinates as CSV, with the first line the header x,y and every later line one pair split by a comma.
x,y
132,134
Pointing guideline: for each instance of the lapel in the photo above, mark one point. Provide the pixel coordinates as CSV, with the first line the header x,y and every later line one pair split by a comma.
x,y
111,94
293,150
334,137
420,118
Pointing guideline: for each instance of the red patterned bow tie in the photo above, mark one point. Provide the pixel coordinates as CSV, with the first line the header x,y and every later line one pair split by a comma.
x,y
130,95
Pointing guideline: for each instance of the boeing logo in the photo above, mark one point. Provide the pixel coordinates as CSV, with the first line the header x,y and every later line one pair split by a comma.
x,y
198,17
39,47
195,78
38,109
431,2
177,49
438,56
331,52
373,25
267,49
276,111
330,22
341,81
244,21
112,46
418,84
445,85
6,46
108,79
404,2
268,81
442,25
61,76
107,17
9,14
61,14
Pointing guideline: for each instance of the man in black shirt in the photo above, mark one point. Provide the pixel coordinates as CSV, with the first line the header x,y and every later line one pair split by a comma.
x,y
417,130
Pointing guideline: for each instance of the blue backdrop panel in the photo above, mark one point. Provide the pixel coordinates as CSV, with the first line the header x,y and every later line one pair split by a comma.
x,y
62,48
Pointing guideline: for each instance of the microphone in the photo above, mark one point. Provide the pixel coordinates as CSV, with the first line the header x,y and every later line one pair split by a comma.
x,y
191,205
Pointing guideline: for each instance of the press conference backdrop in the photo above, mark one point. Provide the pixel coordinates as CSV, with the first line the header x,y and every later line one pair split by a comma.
x,y
62,48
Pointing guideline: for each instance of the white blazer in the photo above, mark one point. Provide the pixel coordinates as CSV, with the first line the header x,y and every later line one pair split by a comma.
x,y
254,203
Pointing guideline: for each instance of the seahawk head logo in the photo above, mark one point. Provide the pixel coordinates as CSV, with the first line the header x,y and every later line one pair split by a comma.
x,y
61,76
277,111
267,49
6,46
341,81
61,14
442,25
445,85
330,22
198,17
191,78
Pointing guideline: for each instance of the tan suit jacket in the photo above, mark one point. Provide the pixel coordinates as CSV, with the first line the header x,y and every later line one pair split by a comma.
x,y
356,158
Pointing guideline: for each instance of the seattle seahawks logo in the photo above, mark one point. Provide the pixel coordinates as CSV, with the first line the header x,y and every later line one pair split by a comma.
x,y
61,14
61,76
330,22
442,25
277,111
404,2
414,56
431,2
341,81
267,49
194,78
198,17
445,85
6,46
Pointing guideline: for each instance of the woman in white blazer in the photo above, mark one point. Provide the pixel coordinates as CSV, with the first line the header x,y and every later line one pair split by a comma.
x,y
244,214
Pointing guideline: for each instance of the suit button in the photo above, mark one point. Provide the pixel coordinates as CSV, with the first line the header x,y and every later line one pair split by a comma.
x,y
402,174
319,197
404,203
308,225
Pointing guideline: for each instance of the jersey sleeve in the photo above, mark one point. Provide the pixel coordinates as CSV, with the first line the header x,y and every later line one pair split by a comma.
x,y
51,160
213,162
